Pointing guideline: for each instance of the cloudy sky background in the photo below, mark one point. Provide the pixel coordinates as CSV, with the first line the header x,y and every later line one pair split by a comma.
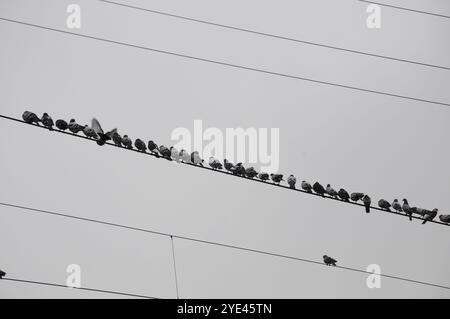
x,y
385,146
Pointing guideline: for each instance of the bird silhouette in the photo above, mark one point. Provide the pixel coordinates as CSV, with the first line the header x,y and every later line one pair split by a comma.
x,y
329,261
306,186
396,205
382,203
318,188
430,215
291,180
102,136
196,159
165,152
127,142
30,118
263,176
61,125
228,166
215,164
277,178
356,196
89,132
74,127
47,121
250,172
406,208
2,274
140,145
444,218
330,191
367,201
343,194
117,139
153,148
238,170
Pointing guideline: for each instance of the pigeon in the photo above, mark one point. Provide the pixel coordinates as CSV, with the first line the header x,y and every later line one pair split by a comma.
x,y
2,274
330,191
343,194
174,154
356,196
318,189
384,204
89,132
117,139
396,205
61,125
196,159
102,136
277,178
165,152
291,180
406,208
47,121
153,148
251,172
430,215
444,218
263,176
418,211
366,200
127,142
228,166
329,261
30,117
140,145
185,156
215,164
239,170
306,187
74,127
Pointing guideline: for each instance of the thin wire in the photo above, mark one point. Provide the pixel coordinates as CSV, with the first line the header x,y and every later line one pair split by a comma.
x,y
270,35
81,288
174,266
406,9
230,174
207,242
235,66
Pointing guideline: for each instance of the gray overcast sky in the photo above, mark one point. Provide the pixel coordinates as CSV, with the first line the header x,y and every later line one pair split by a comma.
x,y
385,146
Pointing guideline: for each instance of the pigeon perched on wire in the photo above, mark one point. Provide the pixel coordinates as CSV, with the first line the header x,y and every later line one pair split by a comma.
x,y
47,121
306,186
318,188
228,166
384,204
291,180
343,194
140,145
153,148
30,117
263,176
2,274
196,159
89,132
238,170
250,172
74,127
406,208
102,136
185,156
329,261
396,205
430,215
444,218
165,152
330,191
215,164
277,178
127,142
61,125
356,196
117,139
175,154
367,201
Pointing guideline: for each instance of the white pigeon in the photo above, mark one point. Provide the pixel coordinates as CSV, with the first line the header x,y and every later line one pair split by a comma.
x,y
175,154
330,191
185,156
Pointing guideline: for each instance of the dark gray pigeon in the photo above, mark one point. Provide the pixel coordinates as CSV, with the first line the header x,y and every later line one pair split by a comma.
x,y
238,170
215,164
291,180
430,215
2,274
47,121
263,176
140,145
406,208
127,142
228,166
117,139
329,261
318,188
61,125
396,205
277,178
367,201
306,186
30,117
165,152
74,127
356,196
330,191
343,194
89,132
102,136
251,172
444,218
152,147
384,204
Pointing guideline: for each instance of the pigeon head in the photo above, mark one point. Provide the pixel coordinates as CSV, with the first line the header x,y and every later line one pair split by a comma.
x,y
72,120
45,114
435,210
405,201
328,185
325,256
125,136
396,200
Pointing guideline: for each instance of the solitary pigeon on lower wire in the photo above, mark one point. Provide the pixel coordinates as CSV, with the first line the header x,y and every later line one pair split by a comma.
x,y
329,261
291,180
444,218
356,196
263,176
430,215
185,156
343,194
306,186
117,139
277,178
215,164
30,117
228,166
330,191
74,127
196,159
47,121
406,208
384,204
127,142
61,125
318,188
367,201
250,172
140,145
2,274
396,205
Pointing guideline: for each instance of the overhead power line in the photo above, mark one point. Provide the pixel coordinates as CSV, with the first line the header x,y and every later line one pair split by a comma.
x,y
75,288
234,66
275,36
208,242
405,9
230,174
